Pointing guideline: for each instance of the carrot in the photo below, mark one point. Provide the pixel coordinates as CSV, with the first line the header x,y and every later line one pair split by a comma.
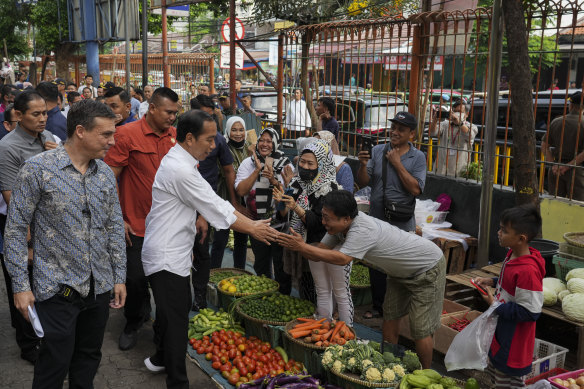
x,y
308,339
309,327
318,344
341,341
326,335
299,334
337,328
348,334
310,324
326,343
316,338
326,325
305,319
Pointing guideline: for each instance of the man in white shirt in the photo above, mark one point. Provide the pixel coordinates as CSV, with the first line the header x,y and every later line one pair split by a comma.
x,y
88,84
297,116
182,203
148,89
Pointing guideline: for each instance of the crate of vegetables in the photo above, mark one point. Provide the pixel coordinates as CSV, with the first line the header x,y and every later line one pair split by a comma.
x,y
568,380
216,276
448,308
450,326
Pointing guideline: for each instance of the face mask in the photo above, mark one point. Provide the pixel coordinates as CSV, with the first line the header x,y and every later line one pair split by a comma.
x,y
307,174
235,144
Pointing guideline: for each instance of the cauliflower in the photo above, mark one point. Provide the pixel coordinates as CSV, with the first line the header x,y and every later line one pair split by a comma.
x,y
327,359
399,370
388,375
365,363
372,374
338,366
352,364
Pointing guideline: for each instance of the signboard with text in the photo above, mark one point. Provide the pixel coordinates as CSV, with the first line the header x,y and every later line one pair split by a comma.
x,y
224,60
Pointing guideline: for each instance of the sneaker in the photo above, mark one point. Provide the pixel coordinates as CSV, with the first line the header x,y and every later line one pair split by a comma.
x,y
127,340
152,367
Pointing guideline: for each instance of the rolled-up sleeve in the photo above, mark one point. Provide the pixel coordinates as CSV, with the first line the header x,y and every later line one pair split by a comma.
x,y
22,206
9,165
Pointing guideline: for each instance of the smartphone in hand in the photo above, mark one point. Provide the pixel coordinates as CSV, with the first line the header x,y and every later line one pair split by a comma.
x,y
366,145
479,288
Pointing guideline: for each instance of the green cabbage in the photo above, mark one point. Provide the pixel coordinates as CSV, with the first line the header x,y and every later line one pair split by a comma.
x,y
563,294
554,284
575,273
549,297
573,306
576,285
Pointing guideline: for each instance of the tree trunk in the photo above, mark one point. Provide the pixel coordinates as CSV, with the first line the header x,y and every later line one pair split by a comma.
x,y
63,56
306,41
524,159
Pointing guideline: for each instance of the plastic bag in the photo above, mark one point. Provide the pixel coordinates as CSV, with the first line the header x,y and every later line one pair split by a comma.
x,y
470,348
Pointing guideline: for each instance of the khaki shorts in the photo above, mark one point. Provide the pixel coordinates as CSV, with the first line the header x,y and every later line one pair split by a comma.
x,y
421,297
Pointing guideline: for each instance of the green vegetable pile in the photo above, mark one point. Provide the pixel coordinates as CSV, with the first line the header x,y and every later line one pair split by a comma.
x,y
217,276
473,171
209,321
276,307
360,276
428,379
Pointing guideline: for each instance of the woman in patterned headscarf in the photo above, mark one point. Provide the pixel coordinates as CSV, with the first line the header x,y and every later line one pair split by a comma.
x,y
316,178
257,175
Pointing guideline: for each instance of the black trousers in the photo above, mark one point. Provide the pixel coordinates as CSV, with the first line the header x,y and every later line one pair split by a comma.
x,y
264,257
201,270
220,238
378,287
172,295
74,331
25,335
137,307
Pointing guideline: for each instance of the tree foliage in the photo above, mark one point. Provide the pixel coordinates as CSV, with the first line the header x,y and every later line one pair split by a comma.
x,y
50,33
13,29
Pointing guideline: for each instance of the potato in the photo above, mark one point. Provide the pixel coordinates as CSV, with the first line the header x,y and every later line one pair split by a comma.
x,y
574,386
580,381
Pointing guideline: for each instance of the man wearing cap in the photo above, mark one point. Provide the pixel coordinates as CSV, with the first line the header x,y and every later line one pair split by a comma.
x,y
225,103
61,85
564,143
456,136
396,172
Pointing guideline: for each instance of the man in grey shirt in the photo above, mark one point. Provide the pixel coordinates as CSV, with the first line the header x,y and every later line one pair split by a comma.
x,y
29,138
415,267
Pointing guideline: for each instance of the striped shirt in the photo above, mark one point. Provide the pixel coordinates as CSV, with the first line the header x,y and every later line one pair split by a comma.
x,y
76,226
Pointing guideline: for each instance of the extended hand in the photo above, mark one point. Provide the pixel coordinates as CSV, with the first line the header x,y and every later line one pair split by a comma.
x,y
263,232
293,242
287,174
22,301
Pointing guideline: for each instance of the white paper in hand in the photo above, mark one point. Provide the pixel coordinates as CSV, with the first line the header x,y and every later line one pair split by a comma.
x,y
36,323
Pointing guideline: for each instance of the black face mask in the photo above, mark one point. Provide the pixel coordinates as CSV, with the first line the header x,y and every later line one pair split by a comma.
x,y
235,144
307,174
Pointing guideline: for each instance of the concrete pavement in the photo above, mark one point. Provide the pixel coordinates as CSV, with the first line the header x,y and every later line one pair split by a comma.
x,y
118,369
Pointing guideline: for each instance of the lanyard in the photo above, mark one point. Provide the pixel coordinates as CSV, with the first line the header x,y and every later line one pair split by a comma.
x,y
453,138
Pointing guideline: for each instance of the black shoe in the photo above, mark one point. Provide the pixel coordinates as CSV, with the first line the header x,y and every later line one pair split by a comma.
x,y
31,355
127,340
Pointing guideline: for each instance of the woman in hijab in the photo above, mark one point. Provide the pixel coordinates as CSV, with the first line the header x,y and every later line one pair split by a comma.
x,y
317,177
344,173
256,177
236,137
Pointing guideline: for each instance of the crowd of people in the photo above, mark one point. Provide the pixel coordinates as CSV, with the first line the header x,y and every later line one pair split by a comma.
x,y
116,197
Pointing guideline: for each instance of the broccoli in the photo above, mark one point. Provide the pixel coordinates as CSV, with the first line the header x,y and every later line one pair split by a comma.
x,y
411,361
372,374
377,358
390,358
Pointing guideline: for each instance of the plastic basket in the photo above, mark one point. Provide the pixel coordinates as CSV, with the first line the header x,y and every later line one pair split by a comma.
x,y
433,217
572,252
546,375
546,356
564,265
564,376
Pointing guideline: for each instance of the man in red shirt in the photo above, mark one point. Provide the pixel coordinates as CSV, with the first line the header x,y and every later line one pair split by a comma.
x,y
139,148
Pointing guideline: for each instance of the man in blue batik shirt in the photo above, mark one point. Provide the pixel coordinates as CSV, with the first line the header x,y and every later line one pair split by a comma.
x,y
68,196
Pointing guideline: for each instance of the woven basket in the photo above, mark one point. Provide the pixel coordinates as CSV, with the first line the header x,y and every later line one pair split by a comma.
x,y
575,238
237,294
256,320
354,378
353,286
291,325
230,269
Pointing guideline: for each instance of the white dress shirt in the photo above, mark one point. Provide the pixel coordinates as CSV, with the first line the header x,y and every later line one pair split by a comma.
x,y
143,109
179,193
297,116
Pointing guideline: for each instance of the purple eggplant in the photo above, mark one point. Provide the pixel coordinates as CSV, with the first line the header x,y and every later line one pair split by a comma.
x,y
256,384
311,380
300,385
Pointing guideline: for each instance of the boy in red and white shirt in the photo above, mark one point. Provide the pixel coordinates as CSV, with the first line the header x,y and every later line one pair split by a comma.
x,y
519,289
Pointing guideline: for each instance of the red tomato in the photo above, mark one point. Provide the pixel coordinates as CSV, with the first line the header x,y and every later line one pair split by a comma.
x,y
224,359
192,341
199,343
230,346
239,364
256,375
233,378
263,358
208,356
208,349
236,361
243,370
224,337
225,367
215,358
232,354
200,350
238,341
270,356
246,359
223,345
281,363
222,331
279,371
230,341
216,365
225,374
238,353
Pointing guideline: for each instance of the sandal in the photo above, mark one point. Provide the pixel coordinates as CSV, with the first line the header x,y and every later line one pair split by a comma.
x,y
372,315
